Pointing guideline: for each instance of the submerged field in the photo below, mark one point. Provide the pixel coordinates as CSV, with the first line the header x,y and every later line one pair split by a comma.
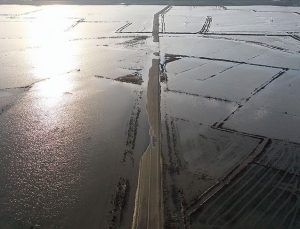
x,y
79,106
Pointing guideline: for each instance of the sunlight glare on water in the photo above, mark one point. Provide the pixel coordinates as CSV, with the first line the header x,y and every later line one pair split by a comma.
x,y
48,32
55,54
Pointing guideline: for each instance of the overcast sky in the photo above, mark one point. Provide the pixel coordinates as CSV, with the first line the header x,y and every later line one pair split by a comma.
x,y
171,2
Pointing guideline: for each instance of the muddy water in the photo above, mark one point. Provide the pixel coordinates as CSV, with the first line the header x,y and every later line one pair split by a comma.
x,y
229,120
73,121
58,158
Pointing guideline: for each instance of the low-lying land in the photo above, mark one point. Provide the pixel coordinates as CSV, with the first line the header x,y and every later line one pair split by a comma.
x,y
199,104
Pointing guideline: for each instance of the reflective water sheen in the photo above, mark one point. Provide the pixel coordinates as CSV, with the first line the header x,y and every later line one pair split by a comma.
x,y
68,136
48,31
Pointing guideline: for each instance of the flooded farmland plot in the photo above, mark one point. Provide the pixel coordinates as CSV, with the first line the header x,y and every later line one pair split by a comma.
x,y
154,116
73,115
229,114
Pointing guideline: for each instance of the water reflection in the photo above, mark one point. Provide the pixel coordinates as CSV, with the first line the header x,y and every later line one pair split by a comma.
x,y
54,90
55,55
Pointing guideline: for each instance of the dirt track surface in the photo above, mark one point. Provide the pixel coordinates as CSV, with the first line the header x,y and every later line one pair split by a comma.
x,y
148,206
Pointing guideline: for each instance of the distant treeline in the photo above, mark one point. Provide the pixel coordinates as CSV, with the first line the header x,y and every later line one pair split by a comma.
x,y
159,2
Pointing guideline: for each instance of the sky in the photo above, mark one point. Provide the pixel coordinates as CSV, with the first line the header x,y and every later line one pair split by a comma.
x,y
156,2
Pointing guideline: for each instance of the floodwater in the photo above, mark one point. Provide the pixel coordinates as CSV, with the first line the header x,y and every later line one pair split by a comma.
x,y
71,132
74,123
230,119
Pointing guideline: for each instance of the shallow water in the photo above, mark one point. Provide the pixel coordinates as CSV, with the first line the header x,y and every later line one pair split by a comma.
x,y
73,120
70,131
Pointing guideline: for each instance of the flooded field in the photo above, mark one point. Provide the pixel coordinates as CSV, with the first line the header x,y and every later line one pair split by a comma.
x,y
73,115
149,116
230,133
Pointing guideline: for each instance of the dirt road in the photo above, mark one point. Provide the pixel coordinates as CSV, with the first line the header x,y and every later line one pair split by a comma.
x,y
149,203
148,207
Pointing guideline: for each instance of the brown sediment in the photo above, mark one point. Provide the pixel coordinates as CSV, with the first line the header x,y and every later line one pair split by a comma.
x,y
119,203
138,40
132,130
134,78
